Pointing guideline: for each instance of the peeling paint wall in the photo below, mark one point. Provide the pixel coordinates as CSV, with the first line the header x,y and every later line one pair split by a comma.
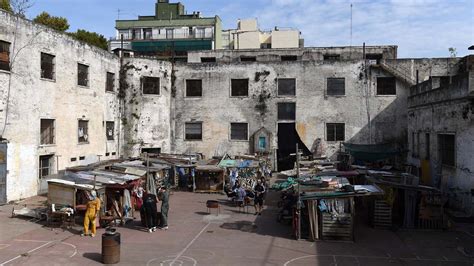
x,y
31,98
216,109
147,117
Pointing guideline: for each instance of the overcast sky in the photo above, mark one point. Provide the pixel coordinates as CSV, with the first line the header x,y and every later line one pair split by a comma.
x,y
420,28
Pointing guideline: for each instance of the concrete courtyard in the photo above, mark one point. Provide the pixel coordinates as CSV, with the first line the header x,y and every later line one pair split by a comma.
x,y
231,238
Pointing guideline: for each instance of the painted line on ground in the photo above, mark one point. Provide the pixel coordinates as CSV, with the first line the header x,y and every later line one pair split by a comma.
x,y
71,245
2,246
190,243
28,252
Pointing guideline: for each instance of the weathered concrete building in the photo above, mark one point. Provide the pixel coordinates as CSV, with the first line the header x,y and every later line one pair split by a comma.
x,y
58,105
441,131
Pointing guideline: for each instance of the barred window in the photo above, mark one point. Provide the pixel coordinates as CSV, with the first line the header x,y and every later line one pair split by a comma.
x,y
83,134
286,111
239,87
45,165
47,131
4,55
151,85
109,130
193,131
193,88
447,149
386,86
335,131
82,75
286,87
47,66
239,131
110,82
336,86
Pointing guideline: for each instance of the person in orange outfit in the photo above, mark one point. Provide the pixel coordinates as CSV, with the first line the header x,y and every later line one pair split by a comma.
x,y
93,208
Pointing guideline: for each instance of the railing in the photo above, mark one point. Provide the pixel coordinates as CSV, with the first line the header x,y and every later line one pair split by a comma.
x,y
165,36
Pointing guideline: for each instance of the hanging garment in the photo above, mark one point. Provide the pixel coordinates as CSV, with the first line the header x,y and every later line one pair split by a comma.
x,y
127,202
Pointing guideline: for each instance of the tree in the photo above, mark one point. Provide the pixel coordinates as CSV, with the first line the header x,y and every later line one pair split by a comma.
x,y
91,38
452,52
57,23
5,5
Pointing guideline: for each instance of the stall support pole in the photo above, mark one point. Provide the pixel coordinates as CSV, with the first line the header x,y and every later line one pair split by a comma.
x,y
298,204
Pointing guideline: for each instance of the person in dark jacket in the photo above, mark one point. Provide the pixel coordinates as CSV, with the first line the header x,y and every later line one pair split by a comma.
x,y
164,196
259,191
149,206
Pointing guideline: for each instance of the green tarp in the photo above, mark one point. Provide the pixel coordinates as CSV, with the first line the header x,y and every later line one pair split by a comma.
x,y
372,152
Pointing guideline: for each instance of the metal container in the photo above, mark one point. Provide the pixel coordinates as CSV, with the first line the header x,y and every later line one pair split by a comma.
x,y
110,247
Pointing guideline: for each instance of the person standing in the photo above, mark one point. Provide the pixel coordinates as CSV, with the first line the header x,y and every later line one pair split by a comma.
x,y
149,205
92,211
259,191
164,197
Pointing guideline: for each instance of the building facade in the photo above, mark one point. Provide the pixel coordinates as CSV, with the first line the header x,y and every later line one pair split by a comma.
x,y
441,132
170,33
58,108
249,36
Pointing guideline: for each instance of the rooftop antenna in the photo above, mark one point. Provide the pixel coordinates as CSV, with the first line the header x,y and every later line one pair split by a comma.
x,y
118,14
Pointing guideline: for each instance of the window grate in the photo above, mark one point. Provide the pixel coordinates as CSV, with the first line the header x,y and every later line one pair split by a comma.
x,y
335,131
151,85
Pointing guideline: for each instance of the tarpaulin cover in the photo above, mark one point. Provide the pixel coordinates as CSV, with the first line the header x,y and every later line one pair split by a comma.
x,y
372,152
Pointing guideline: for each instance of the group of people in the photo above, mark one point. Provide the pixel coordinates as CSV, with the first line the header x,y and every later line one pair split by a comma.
x,y
149,209
146,202
239,194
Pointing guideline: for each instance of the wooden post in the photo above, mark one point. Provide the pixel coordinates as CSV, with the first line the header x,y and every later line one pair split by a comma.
x,y
298,204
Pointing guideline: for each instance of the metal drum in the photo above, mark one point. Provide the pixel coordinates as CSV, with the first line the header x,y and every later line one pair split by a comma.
x,y
110,247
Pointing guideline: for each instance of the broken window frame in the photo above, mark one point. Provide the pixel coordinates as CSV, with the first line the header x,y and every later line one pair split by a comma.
x,y
287,58
332,89
233,88
235,135
110,130
154,82
248,58
110,82
386,90
447,151
48,66
83,136
193,136
208,60
280,89
5,55
82,75
338,133
45,171
332,57
47,131
284,112
190,86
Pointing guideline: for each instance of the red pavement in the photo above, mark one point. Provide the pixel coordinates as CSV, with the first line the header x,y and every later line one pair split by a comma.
x,y
232,238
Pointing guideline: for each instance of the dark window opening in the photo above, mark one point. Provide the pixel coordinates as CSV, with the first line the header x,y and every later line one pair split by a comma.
x,y
151,85
110,82
109,128
289,58
336,86
83,136
107,154
82,75
82,158
332,57
4,55
374,57
239,131
248,59
286,111
427,146
114,153
286,87
447,149
240,87
266,46
73,159
47,66
45,165
47,131
413,145
193,88
193,131
208,59
335,131
147,34
386,86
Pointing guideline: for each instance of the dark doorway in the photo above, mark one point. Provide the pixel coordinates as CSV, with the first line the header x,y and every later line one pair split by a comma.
x,y
287,139
151,150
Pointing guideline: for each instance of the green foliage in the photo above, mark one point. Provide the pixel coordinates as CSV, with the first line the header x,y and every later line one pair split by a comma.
x,y
57,23
91,38
452,52
5,4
